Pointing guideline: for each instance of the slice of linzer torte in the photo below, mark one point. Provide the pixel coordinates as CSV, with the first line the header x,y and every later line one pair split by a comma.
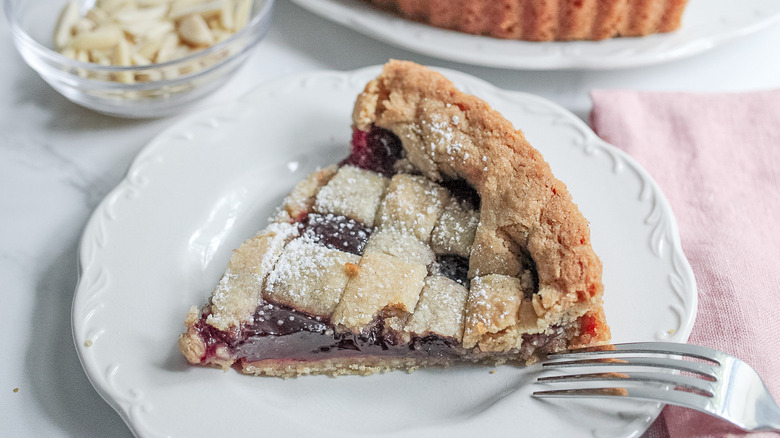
x,y
443,237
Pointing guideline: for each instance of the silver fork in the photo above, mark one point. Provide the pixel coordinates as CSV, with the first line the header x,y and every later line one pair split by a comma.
x,y
724,387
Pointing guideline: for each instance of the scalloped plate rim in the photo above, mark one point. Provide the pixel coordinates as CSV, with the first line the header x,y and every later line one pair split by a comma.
x,y
156,144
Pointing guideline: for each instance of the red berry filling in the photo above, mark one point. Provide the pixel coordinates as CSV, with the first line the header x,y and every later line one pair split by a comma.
x,y
376,150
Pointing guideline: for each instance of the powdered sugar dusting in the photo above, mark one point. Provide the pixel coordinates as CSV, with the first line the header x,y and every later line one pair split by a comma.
x,y
352,192
238,292
412,204
478,297
440,309
454,232
443,138
280,233
301,257
309,276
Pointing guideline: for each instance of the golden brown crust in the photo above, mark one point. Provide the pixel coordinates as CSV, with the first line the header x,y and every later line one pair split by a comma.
x,y
492,313
191,344
524,208
523,204
338,366
301,199
545,20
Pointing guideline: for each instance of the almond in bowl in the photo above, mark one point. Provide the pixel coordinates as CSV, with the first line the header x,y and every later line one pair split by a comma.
x,y
144,32
137,58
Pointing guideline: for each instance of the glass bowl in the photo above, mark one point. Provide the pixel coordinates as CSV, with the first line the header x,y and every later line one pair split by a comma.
x,y
157,89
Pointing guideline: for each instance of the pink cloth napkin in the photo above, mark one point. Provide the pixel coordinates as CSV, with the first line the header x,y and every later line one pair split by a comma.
x,y
717,160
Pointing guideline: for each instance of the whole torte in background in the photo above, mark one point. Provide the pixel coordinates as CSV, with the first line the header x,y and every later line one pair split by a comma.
x,y
544,20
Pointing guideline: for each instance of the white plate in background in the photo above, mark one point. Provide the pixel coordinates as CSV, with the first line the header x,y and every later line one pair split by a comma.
x,y
706,24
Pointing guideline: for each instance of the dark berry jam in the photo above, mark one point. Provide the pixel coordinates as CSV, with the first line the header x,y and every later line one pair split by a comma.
x,y
278,320
454,266
336,232
464,192
543,343
376,150
214,337
279,332
530,265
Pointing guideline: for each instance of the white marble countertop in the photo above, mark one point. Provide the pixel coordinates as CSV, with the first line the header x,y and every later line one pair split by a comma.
x,y
57,161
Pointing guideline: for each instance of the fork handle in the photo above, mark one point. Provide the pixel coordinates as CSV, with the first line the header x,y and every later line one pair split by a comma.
x,y
772,424
767,413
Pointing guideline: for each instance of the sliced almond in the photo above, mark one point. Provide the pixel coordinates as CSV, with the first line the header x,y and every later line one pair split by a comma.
x,y
151,29
127,9
188,68
161,29
122,57
226,17
220,35
111,7
194,31
99,57
122,53
104,37
243,11
171,73
139,59
142,14
97,15
125,77
150,47
148,3
148,76
214,23
181,52
64,30
137,30
203,9
84,24
177,4
82,55
167,48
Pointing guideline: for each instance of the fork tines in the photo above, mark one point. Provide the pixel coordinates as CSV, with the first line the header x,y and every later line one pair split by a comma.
x,y
725,387
631,378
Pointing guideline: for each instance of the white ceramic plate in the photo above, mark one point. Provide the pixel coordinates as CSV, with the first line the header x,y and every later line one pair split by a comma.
x,y
706,24
158,243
